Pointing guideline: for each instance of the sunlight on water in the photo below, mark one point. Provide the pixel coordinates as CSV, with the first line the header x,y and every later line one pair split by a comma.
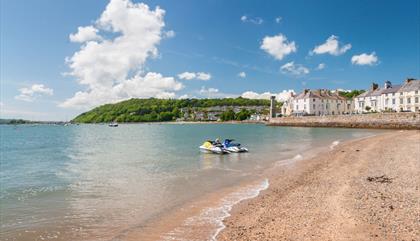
x,y
92,182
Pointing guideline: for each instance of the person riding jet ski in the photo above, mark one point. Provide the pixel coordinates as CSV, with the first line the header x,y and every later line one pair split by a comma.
x,y
213,147
229,145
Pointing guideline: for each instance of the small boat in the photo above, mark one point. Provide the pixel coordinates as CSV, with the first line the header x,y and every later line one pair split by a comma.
x,y
211,147
113,124
229,145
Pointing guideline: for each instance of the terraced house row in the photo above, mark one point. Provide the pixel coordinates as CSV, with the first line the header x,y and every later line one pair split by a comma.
x,y
404,97
393,98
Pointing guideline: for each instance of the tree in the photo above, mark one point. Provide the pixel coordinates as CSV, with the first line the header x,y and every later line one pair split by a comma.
x,y
243,115
228,115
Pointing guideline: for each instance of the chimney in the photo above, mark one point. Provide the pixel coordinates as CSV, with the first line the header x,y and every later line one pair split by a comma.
x,y
305,91
374,86
408,80
387,84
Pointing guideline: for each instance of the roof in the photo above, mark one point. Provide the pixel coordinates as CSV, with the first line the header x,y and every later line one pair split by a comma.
x,y
412,85
393,89
320,94
369,93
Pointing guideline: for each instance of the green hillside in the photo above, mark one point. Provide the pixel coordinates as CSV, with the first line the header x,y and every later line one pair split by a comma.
x,y
148,110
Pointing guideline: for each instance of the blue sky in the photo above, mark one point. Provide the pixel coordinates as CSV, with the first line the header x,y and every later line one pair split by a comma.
x,y
196,49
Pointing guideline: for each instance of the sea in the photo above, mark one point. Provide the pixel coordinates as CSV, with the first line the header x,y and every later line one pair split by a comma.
x,y
139,181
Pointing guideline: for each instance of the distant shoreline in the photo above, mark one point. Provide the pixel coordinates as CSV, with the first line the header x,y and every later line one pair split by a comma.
x,y
133,123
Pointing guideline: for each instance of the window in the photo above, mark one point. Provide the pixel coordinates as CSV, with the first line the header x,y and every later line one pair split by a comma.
x,y
393,94
313,100
304,107
417,92
416,100
393,101
386,102
408,100
401,101
314,106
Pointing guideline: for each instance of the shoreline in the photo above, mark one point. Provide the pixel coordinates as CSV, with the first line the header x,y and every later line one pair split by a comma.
x,y
399,121
191,221
329,196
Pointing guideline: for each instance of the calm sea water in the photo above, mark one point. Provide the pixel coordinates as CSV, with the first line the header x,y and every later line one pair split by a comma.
x,y
92,182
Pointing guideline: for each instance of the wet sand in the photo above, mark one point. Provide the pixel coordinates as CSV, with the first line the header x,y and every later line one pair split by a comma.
x,y
365,189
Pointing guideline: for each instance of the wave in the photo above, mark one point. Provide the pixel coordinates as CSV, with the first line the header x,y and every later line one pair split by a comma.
x,y
213,217
334,144
288,161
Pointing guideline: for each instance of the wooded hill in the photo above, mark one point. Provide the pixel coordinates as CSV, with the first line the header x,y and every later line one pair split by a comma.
x,y
152,109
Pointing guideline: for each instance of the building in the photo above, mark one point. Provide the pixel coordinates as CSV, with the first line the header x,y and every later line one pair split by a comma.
x,y
369,100
317,102
397,98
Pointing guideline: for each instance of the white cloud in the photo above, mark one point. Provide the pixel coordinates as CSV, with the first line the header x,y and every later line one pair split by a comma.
x,y
151,84
365,59
203,90
256,20
213,93
278,46
281,96
169,34
186,96
242,75
203,76
331,46
193,75
31,93
187,75
84,34
113,69
278,19
294,69
320,66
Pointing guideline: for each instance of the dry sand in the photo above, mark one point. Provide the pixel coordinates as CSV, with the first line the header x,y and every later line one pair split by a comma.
x,y
362,190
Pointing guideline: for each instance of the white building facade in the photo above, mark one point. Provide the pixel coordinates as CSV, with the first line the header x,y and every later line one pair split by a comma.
x,y
405,97
317,102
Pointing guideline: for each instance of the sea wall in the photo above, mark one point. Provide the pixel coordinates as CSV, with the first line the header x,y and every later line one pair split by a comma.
x,y
376,120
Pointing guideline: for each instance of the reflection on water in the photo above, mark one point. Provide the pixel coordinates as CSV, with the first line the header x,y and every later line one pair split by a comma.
x,y
92,182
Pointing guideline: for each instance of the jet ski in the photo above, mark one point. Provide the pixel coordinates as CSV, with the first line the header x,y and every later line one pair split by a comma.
x,y
229,145
213,147
113,124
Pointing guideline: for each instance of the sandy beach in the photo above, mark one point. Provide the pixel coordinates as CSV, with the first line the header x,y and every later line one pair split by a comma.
x,y
365,189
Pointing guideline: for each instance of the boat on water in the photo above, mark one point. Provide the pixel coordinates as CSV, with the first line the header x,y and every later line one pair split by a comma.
x,y
231,146
216,147
213,147
113,124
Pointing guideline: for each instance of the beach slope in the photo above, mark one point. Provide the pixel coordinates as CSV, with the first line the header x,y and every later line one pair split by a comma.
x,y
364,189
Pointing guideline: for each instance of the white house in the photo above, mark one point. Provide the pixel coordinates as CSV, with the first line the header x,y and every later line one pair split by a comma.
x,y
403,97
317,102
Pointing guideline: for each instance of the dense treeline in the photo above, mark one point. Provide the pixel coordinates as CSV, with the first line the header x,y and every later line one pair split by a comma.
x,y
230,115
351,94
149,110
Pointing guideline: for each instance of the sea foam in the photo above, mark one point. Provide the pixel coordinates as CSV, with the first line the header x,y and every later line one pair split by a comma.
x,y
334,144
212,217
